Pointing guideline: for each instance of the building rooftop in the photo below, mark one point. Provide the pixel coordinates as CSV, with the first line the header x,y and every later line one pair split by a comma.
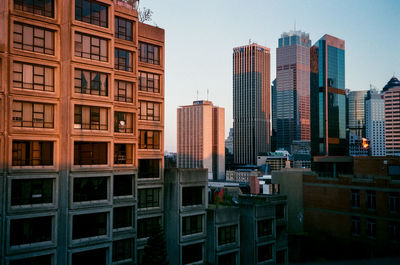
x,y
393,82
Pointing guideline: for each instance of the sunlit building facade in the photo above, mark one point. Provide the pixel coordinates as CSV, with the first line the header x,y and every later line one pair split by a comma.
x,y
375,122
356,112
391,96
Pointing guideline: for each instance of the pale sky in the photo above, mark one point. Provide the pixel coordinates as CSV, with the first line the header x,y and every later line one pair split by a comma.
x,y
200,35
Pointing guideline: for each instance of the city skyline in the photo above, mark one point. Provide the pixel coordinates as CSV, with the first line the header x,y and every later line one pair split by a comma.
x,y
232,24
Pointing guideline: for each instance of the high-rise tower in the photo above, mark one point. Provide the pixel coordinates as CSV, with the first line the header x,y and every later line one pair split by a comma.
x,y
391,95
251,102
327,97
356,112
375,122
292,88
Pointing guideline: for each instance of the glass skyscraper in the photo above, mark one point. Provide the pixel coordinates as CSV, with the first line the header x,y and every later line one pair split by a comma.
x,y
328,97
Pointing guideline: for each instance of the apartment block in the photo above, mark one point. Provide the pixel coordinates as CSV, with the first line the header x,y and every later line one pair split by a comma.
x,y
81,131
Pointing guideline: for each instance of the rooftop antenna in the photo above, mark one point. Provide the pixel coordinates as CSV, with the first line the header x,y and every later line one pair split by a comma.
x,y
295,25
249,41
207,94
197,94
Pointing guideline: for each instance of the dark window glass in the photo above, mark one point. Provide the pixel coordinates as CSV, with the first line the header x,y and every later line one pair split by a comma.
x,y
123,154
123,217
394,202
149,53
371,228
86,153
91,12
281,257
122,250
227,234
123,122
371,202
30,230
149,168
91,82
146,226
281,232
227,259
89,225
192,253
90,189
91,47
355,226
97,256
32,153
149,82
123,60
31,191
33,38
192,224
264,228
38,260
280,211
149,139
149,111
192,196
123,28
394,231
123,91
90,118
38,7
355,198
36,115
264,253
33,77
149,198
123,185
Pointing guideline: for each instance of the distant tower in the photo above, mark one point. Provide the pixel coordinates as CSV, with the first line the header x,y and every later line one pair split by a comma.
x,y
375,122
251,102
356,112
292,89
391,95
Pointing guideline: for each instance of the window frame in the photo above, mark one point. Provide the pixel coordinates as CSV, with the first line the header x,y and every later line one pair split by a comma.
x,y
127,63
120,154
18,115
20,84
90,55
92,18
94,118
355,199
21,45
229,232
91,87
149,53
152,198
149,142
122,97
152,84
79,144
36,9
150,109
124,34
195,226
118,128
29,152
147,227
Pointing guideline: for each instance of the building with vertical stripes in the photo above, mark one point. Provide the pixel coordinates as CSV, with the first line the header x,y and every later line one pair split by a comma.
x,y
391,96
375,122
251,102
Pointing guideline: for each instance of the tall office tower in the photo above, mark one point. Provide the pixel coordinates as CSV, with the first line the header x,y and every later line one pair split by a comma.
x,y
391,95
273,114
81,131
201,138
375,122
356,112
251,102
292,88
327,97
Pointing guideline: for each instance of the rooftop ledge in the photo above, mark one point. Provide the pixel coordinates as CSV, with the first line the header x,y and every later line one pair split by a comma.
x,y
130,4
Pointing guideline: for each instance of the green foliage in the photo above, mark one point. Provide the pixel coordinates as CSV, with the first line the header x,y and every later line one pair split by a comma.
x,y
155,251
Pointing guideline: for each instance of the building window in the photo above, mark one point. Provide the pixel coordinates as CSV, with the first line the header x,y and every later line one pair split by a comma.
x,y
227,259
123,60
149,139
227,234
123,250
192,253
87,153
123,217
36,115
33,38
123,91
355,226
264,227
123,185
394,231
147,225
371,228
280,211
42,260
123,122
281,257
91,82
192,196
32,153
149,53
90,189
149,82
30,230
192,224
264,253
91,12
90,118
89,225
149,198
38,7
123,28
149,111
371,202
91,47
31,191
96,256
33,77
394,202
123,154
149,168
355,198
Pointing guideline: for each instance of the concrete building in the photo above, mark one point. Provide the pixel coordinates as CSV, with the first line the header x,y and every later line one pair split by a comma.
x,y
251,102
276,160
327,97
81,131
375,122
201,138
357,145
391,96
292,88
